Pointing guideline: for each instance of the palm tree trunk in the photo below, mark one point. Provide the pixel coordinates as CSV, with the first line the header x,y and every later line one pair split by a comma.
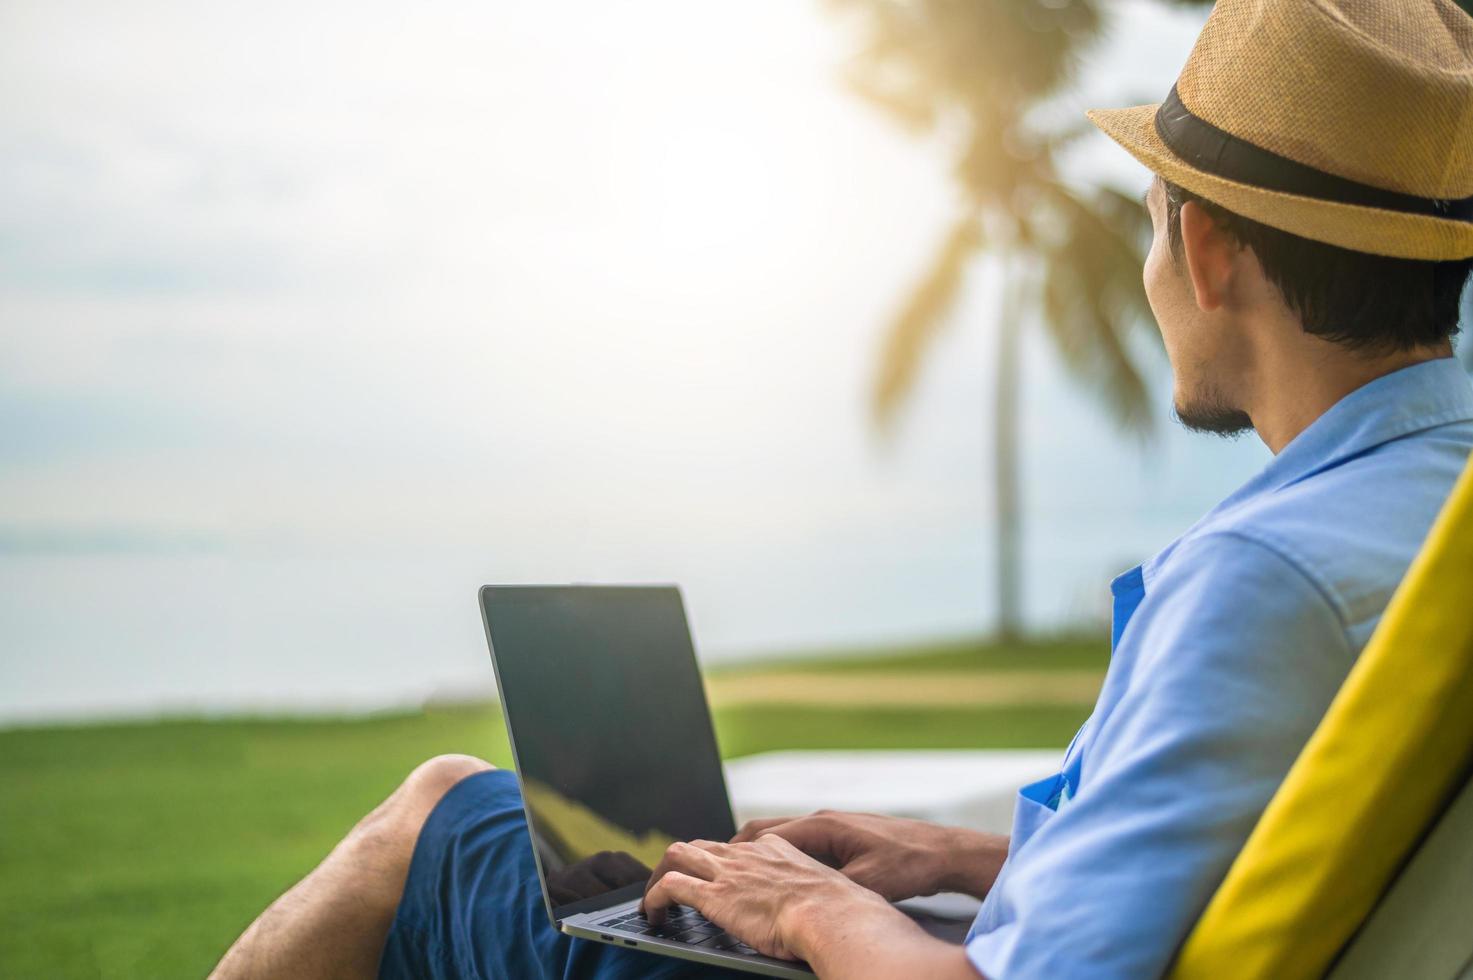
x,y
1005,455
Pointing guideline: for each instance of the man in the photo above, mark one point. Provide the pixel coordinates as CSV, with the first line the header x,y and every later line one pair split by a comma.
x,y
1313,229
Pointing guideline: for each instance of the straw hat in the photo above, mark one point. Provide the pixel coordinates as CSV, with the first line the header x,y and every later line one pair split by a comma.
x,y
1345,121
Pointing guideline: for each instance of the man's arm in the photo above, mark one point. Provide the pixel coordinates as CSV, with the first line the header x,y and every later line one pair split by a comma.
x,y
1236,654
879,943
1231,661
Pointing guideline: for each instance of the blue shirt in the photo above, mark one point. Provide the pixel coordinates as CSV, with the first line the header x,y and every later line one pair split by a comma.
x,y
1227,648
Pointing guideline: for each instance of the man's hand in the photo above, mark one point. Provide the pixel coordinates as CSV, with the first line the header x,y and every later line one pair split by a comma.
x,y
766,892
895,857
783,903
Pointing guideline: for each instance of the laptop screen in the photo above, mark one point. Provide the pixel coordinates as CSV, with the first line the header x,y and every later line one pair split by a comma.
x,y
611,733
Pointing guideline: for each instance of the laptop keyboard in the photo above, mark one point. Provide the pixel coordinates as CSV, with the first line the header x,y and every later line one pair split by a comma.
x,y
682,925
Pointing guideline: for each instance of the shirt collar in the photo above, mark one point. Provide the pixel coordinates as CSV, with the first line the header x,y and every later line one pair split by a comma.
x,y
1398,404
1394,405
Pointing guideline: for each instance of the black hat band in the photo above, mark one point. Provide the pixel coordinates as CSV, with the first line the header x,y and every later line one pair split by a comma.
x,y
1222,154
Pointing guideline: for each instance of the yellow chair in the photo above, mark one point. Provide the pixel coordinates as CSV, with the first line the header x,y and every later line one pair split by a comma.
x,y
1362,864
1424,925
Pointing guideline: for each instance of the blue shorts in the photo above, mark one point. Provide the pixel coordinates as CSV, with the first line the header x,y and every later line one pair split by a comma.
x,y
472,905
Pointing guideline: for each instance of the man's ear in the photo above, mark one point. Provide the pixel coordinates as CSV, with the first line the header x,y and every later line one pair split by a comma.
x,y
1211,254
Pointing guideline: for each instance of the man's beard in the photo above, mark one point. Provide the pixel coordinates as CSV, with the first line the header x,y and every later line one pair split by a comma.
x,y
1211,412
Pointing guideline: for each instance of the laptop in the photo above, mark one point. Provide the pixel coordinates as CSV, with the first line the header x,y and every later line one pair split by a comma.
x,y
617,759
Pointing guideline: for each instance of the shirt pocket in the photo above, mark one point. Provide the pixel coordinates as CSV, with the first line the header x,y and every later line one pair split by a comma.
x,y
1036,805
1030,812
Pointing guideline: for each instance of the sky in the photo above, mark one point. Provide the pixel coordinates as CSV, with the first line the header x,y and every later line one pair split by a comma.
x,y
315,318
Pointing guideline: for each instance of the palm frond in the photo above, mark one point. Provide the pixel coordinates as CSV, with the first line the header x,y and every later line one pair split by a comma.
x,y
908,106
1093,299
1057,139
975,61
1127,214
981,70
924,314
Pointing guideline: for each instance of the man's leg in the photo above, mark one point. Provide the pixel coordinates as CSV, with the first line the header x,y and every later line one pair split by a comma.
x,y
332,924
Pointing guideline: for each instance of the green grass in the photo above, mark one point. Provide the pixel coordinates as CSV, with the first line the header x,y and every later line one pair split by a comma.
x,y
757,728
1059,653
137,850
141,850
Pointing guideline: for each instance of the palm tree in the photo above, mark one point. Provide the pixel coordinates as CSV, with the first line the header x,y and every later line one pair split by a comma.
x,y
980,72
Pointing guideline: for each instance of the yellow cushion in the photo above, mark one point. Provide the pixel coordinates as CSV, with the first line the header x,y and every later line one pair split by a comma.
x,y
1381,766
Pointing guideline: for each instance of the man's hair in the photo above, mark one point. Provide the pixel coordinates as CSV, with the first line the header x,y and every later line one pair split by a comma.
x,y
1364,302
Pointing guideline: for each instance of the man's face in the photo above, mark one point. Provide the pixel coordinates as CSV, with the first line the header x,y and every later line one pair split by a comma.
x,y
1205,353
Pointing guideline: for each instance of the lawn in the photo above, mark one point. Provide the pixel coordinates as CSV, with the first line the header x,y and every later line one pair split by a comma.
x,y
142,849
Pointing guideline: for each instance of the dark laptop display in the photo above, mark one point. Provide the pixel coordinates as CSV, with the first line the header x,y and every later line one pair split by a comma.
x,y
612,736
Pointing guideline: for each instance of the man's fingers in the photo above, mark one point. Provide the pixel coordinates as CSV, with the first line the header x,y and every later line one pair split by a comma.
x,y
752,828
674,888
709,846
693,858
813,835
777,842
686,858
867,872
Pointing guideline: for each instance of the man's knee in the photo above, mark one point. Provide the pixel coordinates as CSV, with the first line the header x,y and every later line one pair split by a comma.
x,y
351,897
432,779
392,830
